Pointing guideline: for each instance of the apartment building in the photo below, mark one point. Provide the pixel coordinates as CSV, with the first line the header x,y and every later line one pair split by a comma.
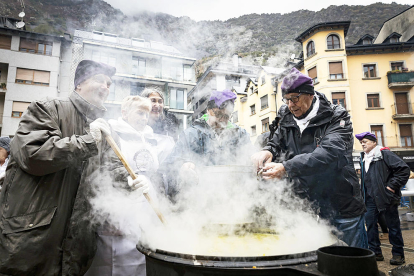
x,y
139,63
224,75
256,107
32,67
372,79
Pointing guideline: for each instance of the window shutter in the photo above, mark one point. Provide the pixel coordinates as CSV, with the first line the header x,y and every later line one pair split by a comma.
x,y
5,42
41,76
338,95
312,73
335,67
20,106
265,121
405,130
24,74
27,44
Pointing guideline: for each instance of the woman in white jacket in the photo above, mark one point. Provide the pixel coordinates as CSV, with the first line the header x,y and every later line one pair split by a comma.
x,y
144,151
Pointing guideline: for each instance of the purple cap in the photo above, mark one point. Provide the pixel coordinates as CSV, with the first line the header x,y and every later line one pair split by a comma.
x,y
89,68
295,81
367,135
219,97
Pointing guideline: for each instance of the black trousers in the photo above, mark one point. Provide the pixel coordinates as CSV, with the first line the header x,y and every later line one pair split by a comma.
x,y
394,227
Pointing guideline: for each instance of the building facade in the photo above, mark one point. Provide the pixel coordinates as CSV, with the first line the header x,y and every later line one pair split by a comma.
x,y
372,79
257,105
139,64
32,67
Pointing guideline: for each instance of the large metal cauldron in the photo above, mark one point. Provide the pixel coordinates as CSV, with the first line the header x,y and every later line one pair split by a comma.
x,y
167,263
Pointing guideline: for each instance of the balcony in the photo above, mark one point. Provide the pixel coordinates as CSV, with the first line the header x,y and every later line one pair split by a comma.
x,y
402,111
400,79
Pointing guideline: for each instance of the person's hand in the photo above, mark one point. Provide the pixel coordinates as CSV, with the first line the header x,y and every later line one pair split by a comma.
x,y
98,127
261,158
273,170
188,172
390,189
140,184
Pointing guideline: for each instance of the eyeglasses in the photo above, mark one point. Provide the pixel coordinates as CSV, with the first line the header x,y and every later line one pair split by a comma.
x,y
293,99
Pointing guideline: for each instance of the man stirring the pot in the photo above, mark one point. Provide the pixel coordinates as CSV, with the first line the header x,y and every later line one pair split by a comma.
x,y
312,147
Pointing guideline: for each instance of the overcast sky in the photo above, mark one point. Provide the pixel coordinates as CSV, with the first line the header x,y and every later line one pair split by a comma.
x,y
225,9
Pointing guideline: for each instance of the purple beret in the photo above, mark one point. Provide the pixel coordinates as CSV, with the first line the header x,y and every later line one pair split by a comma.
x,y
219,97
89,68
296,82
367,135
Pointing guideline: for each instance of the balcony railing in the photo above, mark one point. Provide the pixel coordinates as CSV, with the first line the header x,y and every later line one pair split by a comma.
x,y
400,79
402,111
158,73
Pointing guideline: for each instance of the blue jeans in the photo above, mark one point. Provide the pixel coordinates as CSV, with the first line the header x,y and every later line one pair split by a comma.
x,y
352,231
394,228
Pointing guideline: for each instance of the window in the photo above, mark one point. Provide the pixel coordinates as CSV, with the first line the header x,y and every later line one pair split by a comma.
x,y
394,39
310,49
367,41
27,76
235,117
263,102
232,81
19,108
335,70
253,130
397,66
312,73
265,125
188,73
138,66
406,135
263,80
370,71
333,42
401,103
377,130
338,98
373,100
136,88
252,109
104,58
35,47
177,98
5,42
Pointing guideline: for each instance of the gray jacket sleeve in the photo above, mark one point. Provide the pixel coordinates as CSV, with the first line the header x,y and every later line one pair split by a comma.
x,y
39,147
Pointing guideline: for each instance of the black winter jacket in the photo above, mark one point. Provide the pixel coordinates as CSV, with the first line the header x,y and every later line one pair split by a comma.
x,y
319,160
385,169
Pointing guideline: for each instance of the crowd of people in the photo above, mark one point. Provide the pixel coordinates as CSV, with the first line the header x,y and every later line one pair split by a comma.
x,y
59,154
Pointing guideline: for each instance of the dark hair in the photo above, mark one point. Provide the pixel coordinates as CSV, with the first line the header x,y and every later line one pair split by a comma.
x,y
212,104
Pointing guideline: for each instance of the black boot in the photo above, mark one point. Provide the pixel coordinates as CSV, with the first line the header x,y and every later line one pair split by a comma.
x,y
397,260
379,257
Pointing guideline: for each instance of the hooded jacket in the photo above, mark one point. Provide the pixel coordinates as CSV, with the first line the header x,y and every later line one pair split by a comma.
x,y
319,160
385,169
43,216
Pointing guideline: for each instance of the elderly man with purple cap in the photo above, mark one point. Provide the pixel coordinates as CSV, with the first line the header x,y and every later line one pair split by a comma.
x,y
211,140
383,174
44,229
312,147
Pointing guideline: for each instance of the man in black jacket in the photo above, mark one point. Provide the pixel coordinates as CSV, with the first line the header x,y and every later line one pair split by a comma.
x,y
383,176
312,146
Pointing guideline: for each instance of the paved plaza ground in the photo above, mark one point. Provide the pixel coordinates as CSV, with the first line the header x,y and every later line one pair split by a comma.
x,y
408,235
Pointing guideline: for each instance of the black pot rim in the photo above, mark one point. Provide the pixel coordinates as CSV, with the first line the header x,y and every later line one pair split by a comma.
x,y
320,251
